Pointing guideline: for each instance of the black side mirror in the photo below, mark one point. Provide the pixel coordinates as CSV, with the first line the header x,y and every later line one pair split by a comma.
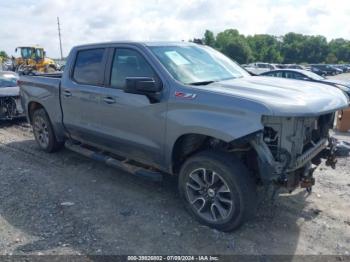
x,y
142,85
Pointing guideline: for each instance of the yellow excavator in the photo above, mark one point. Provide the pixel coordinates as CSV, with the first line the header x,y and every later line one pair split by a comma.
x,y
33,59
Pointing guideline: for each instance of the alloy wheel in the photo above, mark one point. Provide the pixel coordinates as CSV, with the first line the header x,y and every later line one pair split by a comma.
x,y
209,195
41,132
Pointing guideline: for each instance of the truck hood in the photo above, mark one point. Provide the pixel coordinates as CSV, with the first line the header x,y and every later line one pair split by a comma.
x,y
9,91
283,97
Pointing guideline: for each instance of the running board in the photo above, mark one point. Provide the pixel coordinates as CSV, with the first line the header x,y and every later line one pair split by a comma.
x,y
121,164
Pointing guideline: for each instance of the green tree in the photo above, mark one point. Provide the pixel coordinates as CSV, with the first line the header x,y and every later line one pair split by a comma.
x,y
293,48
225,37
340,48
331,58
3,55
315,49
209,38
238,50
234,45
265,48
290,48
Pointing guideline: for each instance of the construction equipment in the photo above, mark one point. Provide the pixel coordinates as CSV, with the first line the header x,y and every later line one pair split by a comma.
x,y
32,59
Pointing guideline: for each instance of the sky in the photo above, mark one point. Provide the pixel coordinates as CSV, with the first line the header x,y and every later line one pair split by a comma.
x,y
31,22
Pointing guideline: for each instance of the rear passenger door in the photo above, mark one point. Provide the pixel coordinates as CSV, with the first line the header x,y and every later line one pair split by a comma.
x,y
81,96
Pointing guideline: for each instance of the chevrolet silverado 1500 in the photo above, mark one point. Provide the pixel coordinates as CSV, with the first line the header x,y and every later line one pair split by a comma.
x,y
187,110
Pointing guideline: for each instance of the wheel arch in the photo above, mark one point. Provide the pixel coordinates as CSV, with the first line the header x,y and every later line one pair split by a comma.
x,y
189,144
57,127
32,106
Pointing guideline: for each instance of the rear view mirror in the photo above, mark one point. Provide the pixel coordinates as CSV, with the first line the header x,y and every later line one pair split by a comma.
x,y
142,85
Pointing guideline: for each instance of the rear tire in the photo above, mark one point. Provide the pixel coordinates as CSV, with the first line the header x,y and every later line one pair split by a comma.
x,y
44,133
218,190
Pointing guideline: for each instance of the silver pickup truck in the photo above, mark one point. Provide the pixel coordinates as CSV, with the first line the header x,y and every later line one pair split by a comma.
x,y
186,110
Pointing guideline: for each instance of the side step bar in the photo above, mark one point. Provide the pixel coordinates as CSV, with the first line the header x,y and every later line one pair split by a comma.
x,y
135,170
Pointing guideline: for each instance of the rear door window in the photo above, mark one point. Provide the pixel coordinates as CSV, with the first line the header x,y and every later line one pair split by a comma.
x,y
89,67
290,75
269,74
299,76
278,74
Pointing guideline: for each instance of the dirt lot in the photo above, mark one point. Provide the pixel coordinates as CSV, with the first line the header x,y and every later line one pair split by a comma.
x,y
64,203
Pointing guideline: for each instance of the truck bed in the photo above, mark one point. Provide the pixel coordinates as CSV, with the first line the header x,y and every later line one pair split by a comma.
x,y
45,90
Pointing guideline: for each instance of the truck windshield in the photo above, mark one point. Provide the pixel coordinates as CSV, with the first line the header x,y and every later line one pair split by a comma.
x,y
197,64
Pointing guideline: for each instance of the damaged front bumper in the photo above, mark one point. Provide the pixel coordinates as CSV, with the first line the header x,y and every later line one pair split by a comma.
x,y
299,174
289,156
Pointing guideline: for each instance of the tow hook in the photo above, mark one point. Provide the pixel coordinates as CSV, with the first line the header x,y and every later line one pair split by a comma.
x,y
307,181
331,156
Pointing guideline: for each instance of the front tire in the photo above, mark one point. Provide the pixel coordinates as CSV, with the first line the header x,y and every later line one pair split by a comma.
x,y
44,133
218,190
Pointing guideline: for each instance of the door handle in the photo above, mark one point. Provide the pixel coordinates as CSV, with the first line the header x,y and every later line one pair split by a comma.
x,y
67,93
109,100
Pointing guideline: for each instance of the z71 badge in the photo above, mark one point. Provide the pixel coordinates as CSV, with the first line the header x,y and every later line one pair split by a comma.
x,y
185,95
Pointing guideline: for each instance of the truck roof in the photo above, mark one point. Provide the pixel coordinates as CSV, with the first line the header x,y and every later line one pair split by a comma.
x,y
156,43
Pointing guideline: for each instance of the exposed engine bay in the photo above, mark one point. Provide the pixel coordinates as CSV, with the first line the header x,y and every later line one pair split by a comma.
x,y
290,149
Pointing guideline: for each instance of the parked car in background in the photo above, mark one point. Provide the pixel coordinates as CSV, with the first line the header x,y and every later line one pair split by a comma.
x,y
259,67
323,69
309,76
295,66
338,69
10,105
343,68
279,66
318,71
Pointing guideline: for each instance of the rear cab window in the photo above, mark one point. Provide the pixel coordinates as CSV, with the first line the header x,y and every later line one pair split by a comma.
x,y
89,67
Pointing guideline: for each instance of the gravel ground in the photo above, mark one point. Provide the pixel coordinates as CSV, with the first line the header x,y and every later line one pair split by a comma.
x,y
64,203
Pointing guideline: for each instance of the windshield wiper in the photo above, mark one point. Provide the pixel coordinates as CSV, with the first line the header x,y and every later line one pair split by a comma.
x,y
201,83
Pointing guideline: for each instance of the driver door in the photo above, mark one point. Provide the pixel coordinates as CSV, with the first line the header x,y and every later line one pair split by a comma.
x,y
132,125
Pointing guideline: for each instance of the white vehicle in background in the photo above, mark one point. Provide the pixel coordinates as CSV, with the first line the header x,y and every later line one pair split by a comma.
x,y
259,68
300,67
10,105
